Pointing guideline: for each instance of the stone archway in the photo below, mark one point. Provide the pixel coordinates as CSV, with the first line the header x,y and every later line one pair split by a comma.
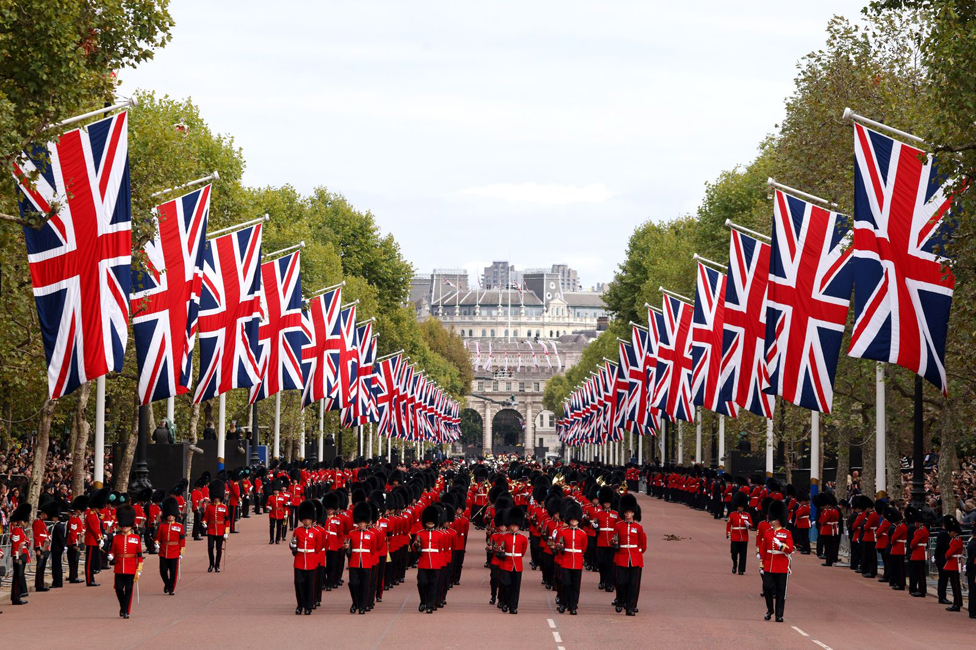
x,y
472,432
508,432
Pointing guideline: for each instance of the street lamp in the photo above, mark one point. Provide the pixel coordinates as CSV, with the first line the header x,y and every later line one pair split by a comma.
x,y
140,470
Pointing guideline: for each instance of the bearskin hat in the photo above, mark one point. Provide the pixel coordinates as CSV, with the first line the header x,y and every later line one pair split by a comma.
x,y
911,515
170,508
539,493
98,499
203,480
553,505
500,517
80,503
740,500
863,502
22,513
145,494
773,485
892,515
790,490
951,524
803,496
571,510
331,501
777,512
157,497
628,503
515,517
361,513
125,516
306,510
52,509
764,507
216,489
606,495
430,515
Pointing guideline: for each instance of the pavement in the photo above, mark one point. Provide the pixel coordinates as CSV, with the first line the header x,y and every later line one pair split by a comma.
x,y
689,599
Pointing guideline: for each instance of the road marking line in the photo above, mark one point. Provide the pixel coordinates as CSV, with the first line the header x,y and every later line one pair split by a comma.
x,y
556,637
800,631
559,647
822,645
552,623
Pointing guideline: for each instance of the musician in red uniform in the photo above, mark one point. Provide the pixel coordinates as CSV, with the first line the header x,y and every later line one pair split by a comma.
x,y
305,543
126,553
20,553
514,546
75,538
42,544
361,546
737,532
761,529
215,523
570,545
170,543
496,529
775,551
198,503
604,522
461,526
234,500
869,540
153,517
630,543
897,547
94,535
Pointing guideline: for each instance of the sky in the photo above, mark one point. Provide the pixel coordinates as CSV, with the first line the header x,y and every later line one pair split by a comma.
x,y
534,132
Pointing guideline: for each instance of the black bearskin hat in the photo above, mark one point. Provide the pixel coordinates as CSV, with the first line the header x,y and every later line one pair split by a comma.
x,y
306,510
951,524
22,513
216,490
157,496
606,495
515,517
170,508
53,509
892,515
331,501
145,494
98,499
80,503
740,500
430,515
553,505
777,511
571,510
362,513
125,516
628,502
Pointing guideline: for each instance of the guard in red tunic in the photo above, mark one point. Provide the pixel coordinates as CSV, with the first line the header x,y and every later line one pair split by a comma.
x,y
514,546
361,546
153,518
605,520
126,553
630,543
20,553
170,544
75,538
198,503
94,535
571,541
42,542
215,523
775,551
737,532
918,553
305,543
897,547
429,544
277,506
802,523
954,563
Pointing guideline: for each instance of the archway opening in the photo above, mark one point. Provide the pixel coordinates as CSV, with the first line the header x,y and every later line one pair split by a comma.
x,y
507,432
472,432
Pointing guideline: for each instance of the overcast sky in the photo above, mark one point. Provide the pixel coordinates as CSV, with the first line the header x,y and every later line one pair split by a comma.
x,y
537,132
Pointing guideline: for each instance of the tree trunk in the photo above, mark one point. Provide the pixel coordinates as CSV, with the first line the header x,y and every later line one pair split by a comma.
x,y
194,420
80,431
869,453
948,461
843,463
892,455
40,452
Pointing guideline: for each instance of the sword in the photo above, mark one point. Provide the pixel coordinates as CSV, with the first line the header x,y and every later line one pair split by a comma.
x,y
179,569
137,591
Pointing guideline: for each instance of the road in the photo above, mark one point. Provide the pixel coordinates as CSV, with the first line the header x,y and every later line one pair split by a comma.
x,y
689,599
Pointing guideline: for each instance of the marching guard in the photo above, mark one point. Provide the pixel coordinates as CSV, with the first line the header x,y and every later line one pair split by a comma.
x,y
215,523
126,554
170,544
630,542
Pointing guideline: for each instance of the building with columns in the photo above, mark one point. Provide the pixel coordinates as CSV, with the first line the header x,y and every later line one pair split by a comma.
x,y
517,339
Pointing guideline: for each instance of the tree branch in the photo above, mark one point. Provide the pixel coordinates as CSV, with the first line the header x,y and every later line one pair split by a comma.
x,y
20,221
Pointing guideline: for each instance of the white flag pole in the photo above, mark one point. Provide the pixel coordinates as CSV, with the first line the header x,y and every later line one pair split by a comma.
x,y
277,426
769,447
222,431
321,429
880,466
99,469
698,435
171,412
815,450
681,445
721,442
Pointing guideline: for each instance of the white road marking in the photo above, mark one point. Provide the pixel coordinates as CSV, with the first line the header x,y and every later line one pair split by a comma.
x,y
822,645
552,623
556,637
559,647
800,631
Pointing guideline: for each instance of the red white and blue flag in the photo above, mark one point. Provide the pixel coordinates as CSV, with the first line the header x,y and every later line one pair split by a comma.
x,y
903,286
672,377
281,334
386,394
318,364
706,342
166,296
230,313
744,372
80,258
807,301
365,407
347,378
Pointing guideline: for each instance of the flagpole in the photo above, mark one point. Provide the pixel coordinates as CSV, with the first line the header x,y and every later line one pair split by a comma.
x,y
769,447
698,435
681,445
240,226
211,177
277,427
748,231
721,442
301,436
360,427
222,431
851,116
287,249
131,102
803,195
321,291
814,453
171,412
321,429
640,449
370,439
99,469
880,466
707,262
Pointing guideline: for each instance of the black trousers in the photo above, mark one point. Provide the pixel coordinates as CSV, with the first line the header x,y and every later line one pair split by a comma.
x,y
332,570
379,578
359,587
18,586
57,571
869,559
305,588
590,555
856,554
956,585
39,568
571,579
895,570
493,580
774,585
831,548
916,577
628,586
169,572
943,582
458,564
971,581
739,553
93,563
276,529
292,516
427,586
124,587
802,538
535,549
149,539
604,560
512,581
245,507
197,524
74,554
215,549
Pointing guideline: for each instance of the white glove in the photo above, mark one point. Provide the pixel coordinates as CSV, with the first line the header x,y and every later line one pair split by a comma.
x,y
111,557
157,547
226,535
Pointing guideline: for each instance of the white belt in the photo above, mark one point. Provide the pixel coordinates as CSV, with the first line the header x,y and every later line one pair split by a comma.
x,y
306,550
778,552
572,550
513,555
740,528
361,550
332,532
900,541
606,530
628,546
430,550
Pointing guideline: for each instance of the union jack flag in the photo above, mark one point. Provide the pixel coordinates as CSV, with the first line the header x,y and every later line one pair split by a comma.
x,y
282,334
386,395
655,330
347,377
230,313
744,374
166,296
807,301
641,378
903,287
672,381
706,342
80,258
365,404
405,405
319,365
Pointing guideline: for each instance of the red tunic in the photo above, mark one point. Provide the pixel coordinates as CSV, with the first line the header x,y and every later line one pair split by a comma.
x,y
171,539
954,556
803,517
776,555
39,529
605,522
127,551
631,544
93,528
19,544
515,546
573,541
305,543
899,540
738,525
431,546
215,519
920,542
76,531
362,543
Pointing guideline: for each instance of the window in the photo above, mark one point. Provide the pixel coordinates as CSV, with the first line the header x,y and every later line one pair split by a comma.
x,y
481,386
493,334
521,386
462,331
550,333
506,333
494,386
515,333
537,387
557,333
482,333
470,332
537,334
508,386
550,420
540,443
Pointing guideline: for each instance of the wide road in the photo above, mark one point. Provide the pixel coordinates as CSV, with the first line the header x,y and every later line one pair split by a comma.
x,y
690,599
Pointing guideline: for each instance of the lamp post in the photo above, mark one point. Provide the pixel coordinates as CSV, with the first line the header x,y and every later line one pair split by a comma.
x,y
255,459
140,470
918,470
